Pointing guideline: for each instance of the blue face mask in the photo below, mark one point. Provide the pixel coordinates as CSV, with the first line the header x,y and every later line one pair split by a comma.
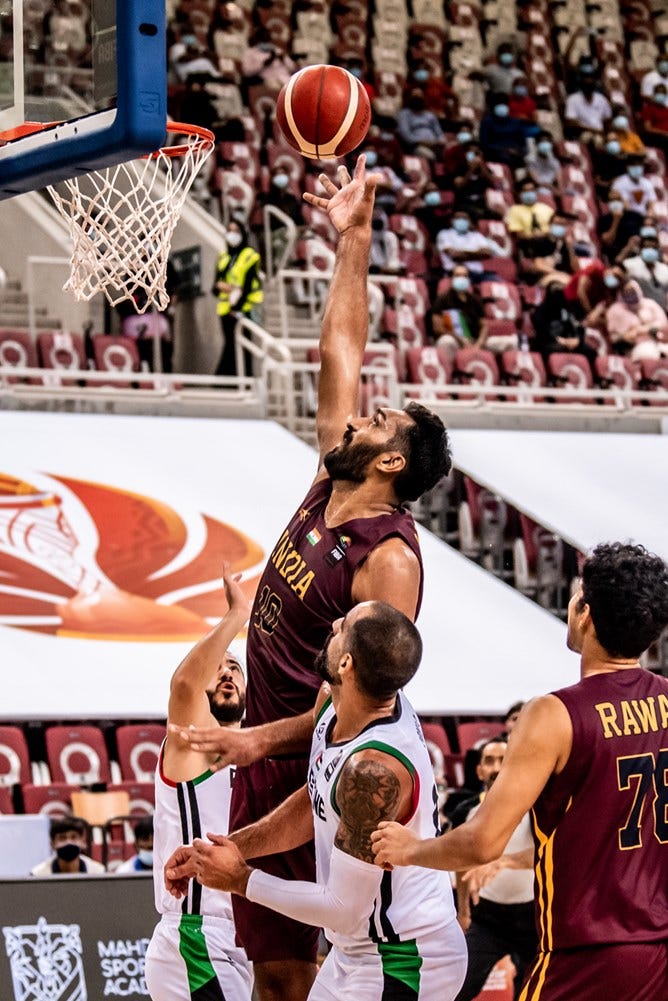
x,y
620,122
421,76
529,197
501,110
662,67
461,283
356,72
464,137
521,90
636,171
471,156
586,67
432,198
506,59
371,158
613,147
650,255
544,147
648,232
611,281
558,231
460,225
616,207
661,99
280,180
145,856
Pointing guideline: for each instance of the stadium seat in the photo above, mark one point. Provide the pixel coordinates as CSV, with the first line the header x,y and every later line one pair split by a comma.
x,y
523,368
496,230
572,371
54,800
429,367
411,232
77,755
504,267
115,354
141,794
6,802
138,750
475,367
612,372
61,351
538,564
242,158
14,758
17,351
655,377
501,300
411,291
405,325
470,734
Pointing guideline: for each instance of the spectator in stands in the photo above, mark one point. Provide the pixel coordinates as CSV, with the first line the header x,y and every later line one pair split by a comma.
x,y
462,244
238,288
553,255
454,155
227,30
472,184
69,836
636,189
591,286
265,63
617,225
655,77
501,74
520,103
647,267
390,185
431,209
502,138
557,329
629,141
529,219
637,326
194,60
438,96
655,116
586,62
542,165
384,255
281,197
587,111
419,130
357,66
608,162
458,315
142,860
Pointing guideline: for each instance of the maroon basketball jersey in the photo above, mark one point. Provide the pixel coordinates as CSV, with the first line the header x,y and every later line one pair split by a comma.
x,y
601,826
305,587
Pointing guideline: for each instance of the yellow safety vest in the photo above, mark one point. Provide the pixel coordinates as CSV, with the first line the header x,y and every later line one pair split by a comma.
x,y
236,275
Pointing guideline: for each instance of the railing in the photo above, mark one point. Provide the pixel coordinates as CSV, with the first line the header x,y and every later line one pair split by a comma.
x,y
287,252
32,263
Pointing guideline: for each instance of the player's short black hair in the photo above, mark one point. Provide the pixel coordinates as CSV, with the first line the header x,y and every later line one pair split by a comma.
x,y
426,448
499,739
63,825
144,828
515,708
626,588
386,649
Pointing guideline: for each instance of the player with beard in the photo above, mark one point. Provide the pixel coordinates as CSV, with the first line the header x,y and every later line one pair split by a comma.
x,y
192,953
350,540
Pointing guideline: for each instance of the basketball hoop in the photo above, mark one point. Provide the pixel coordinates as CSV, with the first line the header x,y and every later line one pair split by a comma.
x,y
121,220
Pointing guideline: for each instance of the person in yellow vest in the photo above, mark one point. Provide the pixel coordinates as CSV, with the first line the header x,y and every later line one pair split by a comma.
x,y
238,288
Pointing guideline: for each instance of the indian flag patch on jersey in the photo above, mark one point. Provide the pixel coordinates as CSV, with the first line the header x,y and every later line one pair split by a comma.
x,y
313,537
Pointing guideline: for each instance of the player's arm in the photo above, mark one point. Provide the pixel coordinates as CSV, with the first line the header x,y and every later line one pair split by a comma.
x,y
288,736
346,317
372,785
472,882
539,746
390,573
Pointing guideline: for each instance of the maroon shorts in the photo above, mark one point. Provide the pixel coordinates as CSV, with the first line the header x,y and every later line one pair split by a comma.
x,y
265,935
634,972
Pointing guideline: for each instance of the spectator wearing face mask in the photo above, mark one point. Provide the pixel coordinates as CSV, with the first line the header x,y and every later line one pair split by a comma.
x,y
587,111
142,860
553,255
629,141
608,162
281,197
585,64
458,315
384,255
502,138
655,116
655,77
462,244
529,219
357,67
636,189
520,103
419,130
454,155
438,96
473,182
646,266
238,289
501,74
617,225
431,208
557,328
637,326
542,165
68,839
390,185
592,287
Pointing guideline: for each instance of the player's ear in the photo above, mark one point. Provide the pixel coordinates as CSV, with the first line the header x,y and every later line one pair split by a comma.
x,y
391,463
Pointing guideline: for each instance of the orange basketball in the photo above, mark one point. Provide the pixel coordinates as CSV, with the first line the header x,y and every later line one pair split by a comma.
x,y
324,112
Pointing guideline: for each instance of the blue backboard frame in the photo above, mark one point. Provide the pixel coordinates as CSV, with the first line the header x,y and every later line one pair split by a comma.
x,y
140,122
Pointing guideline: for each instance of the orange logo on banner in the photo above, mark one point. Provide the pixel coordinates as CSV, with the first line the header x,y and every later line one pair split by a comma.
x,y
87,560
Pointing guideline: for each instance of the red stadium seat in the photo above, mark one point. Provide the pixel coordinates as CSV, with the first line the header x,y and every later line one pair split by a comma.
x,y
470,734
77,755
538,564
138,750
61,350
429,367
6,803
495,229
435,733
243,158
615,372
414,262
54,800
476,367
655,377
14,757
502,300
417,169
411,291
411,232
115,354
17,351
142,796
405,325
503,176
569,370
523,368
504,267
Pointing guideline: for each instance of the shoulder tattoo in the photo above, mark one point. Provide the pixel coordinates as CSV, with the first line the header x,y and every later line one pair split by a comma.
x,y
367,793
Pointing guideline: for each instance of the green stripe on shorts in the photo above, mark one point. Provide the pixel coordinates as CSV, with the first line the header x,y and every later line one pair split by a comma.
x,y
192,946
402,961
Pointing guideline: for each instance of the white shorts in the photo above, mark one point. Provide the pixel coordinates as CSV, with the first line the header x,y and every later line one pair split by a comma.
x,y
194,956
425,969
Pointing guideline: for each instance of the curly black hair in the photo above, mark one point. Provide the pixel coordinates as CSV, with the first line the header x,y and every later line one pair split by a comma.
x,y
626,588
426,447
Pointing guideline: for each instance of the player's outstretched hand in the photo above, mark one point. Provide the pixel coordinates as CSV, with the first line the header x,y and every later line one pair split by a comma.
x,y
233,747
349,205
237,601
392,844
220,865
179,870
479,876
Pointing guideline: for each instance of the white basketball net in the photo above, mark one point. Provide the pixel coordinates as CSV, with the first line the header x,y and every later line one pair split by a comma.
x,y
121,220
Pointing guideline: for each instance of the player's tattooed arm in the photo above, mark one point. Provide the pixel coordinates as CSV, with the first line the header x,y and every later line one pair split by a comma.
x,y
373,786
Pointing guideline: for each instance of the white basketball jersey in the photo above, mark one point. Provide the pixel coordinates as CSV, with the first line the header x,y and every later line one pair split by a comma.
x,y
183,811
411,901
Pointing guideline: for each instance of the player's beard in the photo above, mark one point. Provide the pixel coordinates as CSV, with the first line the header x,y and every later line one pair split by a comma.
x,y
350,462
321,664
227,711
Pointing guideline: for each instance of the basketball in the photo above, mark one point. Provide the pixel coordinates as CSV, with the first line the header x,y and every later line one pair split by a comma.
x,y
324,112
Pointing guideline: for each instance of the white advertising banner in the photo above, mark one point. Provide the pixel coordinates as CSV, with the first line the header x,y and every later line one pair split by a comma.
x,y
112,535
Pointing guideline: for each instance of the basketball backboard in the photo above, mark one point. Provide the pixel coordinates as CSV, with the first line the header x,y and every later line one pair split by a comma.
x,y
83,85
